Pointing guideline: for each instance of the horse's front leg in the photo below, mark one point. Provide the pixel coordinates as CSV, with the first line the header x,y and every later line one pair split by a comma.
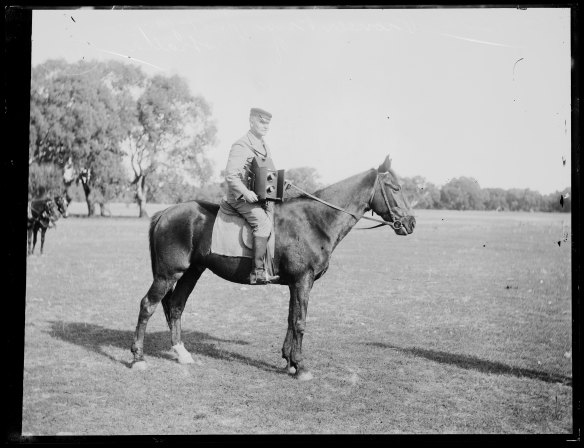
x,y
43,231
34,238
292,348
29,241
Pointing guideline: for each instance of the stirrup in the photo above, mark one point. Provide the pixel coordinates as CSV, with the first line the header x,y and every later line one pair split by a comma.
x,y
261,277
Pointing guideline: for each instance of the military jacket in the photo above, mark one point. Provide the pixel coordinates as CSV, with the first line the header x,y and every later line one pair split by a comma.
x,y
239,162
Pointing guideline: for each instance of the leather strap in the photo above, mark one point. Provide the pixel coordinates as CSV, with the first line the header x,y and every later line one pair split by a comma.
x,y
381,221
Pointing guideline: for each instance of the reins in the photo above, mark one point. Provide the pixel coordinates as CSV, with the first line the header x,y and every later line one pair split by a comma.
x,y
395,224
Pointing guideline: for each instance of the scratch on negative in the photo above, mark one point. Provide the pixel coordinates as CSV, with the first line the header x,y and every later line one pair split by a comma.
x,y
124,56
144,34
130,57
477,41
520,59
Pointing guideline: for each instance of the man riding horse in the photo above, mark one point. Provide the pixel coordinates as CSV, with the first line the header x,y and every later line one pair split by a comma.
x,y
239,197
308,229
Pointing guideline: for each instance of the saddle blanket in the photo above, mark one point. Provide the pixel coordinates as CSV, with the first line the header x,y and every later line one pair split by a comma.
x,y
232,236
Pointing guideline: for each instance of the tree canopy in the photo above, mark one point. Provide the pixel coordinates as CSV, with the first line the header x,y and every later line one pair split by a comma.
x,y
111,120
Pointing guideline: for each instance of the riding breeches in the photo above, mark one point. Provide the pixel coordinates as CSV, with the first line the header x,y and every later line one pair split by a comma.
x,y
256,215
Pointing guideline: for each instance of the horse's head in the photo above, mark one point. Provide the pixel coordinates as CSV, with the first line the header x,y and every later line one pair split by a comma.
x,y
51,213
389,202
61,203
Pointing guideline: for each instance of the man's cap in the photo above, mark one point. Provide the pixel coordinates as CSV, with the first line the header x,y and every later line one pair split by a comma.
x,y
263,114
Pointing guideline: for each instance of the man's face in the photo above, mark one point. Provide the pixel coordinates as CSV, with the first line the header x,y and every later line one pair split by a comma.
x,y
258,126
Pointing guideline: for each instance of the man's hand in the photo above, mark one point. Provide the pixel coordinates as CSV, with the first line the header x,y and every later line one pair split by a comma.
x,y
250,196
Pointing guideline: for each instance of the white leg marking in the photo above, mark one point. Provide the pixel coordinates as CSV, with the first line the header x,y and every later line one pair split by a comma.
x,y
182,354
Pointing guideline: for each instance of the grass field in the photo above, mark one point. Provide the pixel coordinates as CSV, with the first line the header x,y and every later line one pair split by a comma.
x,y
464,327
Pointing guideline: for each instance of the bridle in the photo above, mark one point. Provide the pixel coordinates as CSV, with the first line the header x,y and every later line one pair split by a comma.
x,y
394,223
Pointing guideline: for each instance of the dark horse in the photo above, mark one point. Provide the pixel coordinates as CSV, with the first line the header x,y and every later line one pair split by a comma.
x,y
43,214
307,232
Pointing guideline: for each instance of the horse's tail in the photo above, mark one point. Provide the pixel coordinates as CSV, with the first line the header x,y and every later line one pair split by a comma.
x,y
153,222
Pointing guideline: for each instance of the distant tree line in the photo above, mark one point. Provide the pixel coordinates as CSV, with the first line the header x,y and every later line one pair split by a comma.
x,y
464,193
105,132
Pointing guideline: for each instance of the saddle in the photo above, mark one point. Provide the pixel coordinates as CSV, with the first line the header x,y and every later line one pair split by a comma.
x,y
233,237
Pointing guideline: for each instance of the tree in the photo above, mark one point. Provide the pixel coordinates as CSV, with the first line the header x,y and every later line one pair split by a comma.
x,y
532,200
44,146
463,193
212,192
430,198
514,197
496,199
107,182
75,121
559,201
304,177
173,130
168,187
44,180
420,193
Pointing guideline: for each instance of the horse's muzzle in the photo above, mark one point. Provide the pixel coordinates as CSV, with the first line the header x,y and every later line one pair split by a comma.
x,y
407,226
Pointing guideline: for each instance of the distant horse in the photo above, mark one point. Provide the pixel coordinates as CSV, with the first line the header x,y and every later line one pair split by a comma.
x,y
307,231
42,215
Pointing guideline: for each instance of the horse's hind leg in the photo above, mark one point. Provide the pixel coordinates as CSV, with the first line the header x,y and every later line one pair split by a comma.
x,y
173,304
160,286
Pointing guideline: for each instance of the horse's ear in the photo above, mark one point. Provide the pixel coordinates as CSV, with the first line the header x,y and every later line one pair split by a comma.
x,y
385,166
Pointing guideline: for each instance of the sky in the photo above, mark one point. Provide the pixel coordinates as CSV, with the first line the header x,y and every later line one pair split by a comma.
x,y
476,92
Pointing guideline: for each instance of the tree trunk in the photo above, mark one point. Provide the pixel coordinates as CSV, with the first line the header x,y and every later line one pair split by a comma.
x,y
104,209
68,191
91,205
141,190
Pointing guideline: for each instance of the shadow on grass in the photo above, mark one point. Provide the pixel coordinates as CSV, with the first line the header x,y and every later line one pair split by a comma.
x,y
156,344
474,363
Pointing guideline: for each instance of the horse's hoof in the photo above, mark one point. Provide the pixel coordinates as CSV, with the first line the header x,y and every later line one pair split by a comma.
x,y
304,376
186,360
290,369
139,365
182,354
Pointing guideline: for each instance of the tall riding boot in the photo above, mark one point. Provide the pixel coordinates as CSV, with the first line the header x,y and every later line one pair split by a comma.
x,y
259,274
